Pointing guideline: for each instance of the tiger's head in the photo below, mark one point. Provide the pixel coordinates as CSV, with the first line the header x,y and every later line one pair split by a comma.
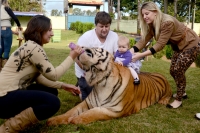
x,y
96,62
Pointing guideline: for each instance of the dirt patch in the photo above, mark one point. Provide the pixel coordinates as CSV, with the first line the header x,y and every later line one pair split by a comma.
x,y
165,59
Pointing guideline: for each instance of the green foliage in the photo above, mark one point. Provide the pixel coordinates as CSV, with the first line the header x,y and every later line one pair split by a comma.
x,y
78,11
119,31
132,42
197,61
90,13
112,15
80,27
159,54
25,6
12,22
168,51
72,26
87,26
55,12
197,15
77,23
126,6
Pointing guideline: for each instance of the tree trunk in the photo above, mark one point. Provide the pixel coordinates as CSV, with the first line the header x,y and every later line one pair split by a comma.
x,y
138,22
165,6
175,8
110,6
189,12
193,14
118,14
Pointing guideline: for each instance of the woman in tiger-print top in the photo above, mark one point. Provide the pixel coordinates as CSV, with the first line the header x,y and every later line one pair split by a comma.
x,y
23,102
168,30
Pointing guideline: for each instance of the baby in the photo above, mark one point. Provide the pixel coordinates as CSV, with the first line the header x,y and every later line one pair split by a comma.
x,y
123,57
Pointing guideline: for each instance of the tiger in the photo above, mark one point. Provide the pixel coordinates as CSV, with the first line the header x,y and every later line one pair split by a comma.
x,y
114,95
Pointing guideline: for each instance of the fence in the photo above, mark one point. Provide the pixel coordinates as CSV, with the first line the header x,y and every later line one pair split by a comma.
x,y
62,22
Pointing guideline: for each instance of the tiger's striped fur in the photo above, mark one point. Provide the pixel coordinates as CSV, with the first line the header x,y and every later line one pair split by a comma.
x,y
114,94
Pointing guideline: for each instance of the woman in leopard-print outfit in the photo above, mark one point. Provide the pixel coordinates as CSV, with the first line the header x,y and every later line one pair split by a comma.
x,y
168,30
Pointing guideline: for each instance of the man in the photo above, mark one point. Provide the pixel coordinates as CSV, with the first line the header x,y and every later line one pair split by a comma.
x,y
101,37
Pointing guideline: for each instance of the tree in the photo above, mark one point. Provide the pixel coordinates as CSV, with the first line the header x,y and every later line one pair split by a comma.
x,y
77,11
110,6
55,12
165,6
138,21
193,3
90,13
24,5
118,14
175,8
126,6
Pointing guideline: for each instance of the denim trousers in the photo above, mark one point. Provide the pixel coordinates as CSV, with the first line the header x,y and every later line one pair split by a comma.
x,y
84,87
6,42
42,99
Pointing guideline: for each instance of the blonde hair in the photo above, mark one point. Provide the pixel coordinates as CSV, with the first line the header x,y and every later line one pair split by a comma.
x,y
5,3
151,6
124,39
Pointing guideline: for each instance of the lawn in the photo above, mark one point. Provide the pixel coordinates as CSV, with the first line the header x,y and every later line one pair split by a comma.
x,y
156,118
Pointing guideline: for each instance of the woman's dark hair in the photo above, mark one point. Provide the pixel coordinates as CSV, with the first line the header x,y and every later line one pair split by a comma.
x,y
36,27
103,18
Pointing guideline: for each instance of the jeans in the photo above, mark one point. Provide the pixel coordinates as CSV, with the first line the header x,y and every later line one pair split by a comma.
x,y
84,87
6,42
42,99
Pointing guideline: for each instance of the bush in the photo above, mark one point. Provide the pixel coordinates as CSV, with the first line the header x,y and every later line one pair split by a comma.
x,y
119,31
72,26
168,52
87,26
197,61
77,25
125,17
159,54
80,28
112,15
132,42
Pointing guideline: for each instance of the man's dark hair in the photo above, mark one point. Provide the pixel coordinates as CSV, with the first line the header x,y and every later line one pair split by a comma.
x,y
103,18
37,26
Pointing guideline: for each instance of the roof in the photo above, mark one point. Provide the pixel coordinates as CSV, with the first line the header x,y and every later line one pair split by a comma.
x,y
86,2
17,13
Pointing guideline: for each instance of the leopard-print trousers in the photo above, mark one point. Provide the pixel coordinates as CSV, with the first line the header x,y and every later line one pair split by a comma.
x,y
180,62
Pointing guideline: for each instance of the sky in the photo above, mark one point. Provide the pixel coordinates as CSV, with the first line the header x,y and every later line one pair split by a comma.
x,y
59,5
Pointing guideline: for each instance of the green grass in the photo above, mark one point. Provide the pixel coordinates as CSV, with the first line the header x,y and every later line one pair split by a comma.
x,y
154,119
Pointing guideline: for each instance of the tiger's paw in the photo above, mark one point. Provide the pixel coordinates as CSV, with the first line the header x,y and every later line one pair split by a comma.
x,y
78,120
55,121
164,101
51,122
